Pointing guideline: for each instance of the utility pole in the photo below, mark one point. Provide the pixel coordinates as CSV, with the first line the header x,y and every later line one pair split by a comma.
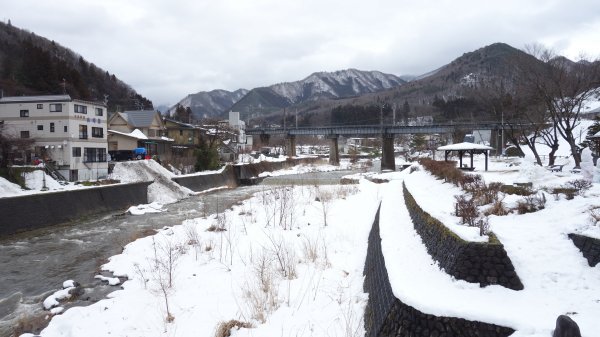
x,y
502,145
381,116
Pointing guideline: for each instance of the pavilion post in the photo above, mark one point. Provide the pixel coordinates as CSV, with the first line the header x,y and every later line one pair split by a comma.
x,y
471,153
486,159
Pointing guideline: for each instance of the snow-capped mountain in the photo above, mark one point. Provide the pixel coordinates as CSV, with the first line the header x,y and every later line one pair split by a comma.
x,y
342,83
317,86
206,104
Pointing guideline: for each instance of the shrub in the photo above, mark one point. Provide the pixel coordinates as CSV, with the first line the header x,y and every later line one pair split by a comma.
x,y
497,208
532,203
466,209
471,182
442,170
569,192
581,185
224,328
523,190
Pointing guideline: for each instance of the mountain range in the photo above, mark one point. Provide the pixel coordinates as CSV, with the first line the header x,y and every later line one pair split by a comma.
x,y
266,100
437,93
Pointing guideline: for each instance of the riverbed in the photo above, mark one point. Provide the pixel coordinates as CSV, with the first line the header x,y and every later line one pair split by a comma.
x,y
36,263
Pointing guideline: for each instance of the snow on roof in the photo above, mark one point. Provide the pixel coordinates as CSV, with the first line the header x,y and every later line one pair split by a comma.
x,y
138,134
464,146
134,134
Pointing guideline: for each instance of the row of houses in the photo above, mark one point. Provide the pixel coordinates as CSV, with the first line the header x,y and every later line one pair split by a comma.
x,y
78,138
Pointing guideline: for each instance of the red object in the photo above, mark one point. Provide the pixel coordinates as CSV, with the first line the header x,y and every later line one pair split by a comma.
x,y
148,157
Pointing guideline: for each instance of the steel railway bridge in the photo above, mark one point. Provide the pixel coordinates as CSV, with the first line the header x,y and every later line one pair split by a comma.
x,y
386,132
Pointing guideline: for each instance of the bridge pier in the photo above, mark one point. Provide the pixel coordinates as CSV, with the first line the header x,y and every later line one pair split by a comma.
x,y
334,155
291,145
388,161
264,139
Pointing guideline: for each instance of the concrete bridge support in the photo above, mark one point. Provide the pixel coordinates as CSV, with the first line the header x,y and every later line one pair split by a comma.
x,y
291,146
388,161
264,139
334,155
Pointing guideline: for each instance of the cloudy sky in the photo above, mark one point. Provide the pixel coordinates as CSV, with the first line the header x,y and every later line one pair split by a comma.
x,y
168,49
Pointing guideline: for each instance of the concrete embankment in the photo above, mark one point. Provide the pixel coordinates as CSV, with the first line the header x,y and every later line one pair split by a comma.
x,y
236,175
34,211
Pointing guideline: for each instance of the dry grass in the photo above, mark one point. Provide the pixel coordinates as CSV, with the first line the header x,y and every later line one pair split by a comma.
x,y
224,328
31,323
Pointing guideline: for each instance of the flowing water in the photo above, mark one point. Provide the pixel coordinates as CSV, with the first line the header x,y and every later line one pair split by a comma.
x,y
35,264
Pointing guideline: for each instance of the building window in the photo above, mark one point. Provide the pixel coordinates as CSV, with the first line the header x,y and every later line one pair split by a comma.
x,y
181,132
40,128
92,154
76,152
24,134
24,113
65,128
99,112
40,106
51,127
55,107
97,132
83,131
80,109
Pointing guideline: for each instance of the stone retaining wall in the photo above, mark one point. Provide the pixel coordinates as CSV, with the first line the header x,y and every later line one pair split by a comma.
x,y
589,247
385,315
34,211
477,262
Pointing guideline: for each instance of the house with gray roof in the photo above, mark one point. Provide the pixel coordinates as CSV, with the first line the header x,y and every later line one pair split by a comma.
x,y
122,134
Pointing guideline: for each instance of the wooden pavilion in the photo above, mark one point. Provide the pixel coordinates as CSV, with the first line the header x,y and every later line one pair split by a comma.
x,y
470,148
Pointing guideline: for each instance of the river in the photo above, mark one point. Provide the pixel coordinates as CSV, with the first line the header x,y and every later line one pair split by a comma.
x,y
34,264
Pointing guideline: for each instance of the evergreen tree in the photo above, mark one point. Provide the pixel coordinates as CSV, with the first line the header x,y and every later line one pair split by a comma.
x,y
207,156
417,142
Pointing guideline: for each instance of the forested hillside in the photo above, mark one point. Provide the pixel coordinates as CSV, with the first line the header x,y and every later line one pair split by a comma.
x,y
33,65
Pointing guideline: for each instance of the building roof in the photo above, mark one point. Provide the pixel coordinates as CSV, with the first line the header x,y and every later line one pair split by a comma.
x,y
41,98
137,134
139,118
464,147
181,124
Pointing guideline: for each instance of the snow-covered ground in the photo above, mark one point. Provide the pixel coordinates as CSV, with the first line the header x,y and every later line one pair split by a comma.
x,y
273,262
34,181
277,266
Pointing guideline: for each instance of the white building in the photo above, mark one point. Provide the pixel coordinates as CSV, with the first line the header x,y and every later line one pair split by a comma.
x,y
68,133
244,142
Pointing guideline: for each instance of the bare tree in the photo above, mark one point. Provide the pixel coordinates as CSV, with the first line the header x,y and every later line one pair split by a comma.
x,y
564,87
9,143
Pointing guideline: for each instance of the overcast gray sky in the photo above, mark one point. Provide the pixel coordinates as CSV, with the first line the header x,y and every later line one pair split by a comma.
x,y
168,49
